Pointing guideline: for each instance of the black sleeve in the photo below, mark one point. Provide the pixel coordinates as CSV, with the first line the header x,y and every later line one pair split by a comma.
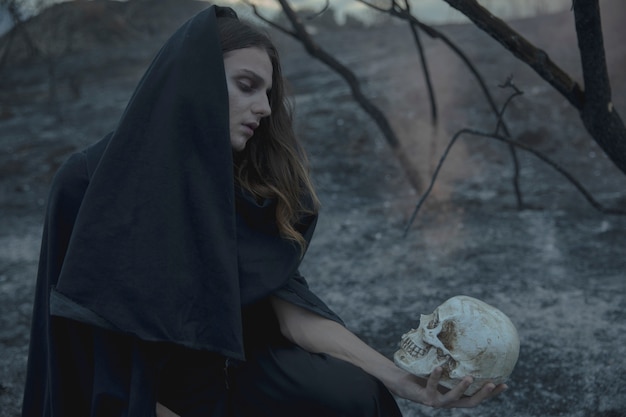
x,y
297,292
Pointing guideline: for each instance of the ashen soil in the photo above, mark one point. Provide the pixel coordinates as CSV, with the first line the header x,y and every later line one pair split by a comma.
x,y
556,267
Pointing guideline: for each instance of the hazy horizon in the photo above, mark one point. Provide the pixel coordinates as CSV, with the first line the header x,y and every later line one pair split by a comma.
x,y
429,11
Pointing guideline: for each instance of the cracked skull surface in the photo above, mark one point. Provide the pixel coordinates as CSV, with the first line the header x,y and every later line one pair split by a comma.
x,y
465,337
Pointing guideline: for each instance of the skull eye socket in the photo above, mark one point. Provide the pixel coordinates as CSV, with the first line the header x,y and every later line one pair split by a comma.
x,y
447,335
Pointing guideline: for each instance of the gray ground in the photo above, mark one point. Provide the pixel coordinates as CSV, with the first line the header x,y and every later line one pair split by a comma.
x,y
556,268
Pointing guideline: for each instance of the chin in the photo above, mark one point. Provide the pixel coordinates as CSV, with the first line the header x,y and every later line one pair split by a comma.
x,y
239,145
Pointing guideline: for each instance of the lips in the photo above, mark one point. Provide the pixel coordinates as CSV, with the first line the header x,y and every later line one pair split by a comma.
x,y
247,131
250,127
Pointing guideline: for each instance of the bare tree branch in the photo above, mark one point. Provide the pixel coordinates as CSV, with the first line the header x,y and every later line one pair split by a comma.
x,y
594,203
597,113
269,21
516,166
435,34
511,143
521,48
321,12
301,34
420,49
13,7
396,10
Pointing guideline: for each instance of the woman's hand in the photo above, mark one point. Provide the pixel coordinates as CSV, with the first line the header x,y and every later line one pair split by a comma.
x,y
432,394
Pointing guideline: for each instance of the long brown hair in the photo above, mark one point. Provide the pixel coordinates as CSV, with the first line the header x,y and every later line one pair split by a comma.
x,y
273,163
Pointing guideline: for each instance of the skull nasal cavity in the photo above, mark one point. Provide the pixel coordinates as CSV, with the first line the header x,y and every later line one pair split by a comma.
x,y
447,335
433,323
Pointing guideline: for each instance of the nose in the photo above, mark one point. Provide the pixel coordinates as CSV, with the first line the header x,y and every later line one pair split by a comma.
x,y
262,106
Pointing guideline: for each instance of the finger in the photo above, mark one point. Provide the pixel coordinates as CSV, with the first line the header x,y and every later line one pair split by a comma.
x,y
459,390
484,393
433,379
498,390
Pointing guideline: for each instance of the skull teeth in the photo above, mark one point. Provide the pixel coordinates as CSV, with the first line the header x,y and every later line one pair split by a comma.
x,y
412,349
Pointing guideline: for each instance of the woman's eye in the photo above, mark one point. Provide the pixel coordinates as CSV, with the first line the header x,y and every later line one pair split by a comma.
x,y
245,86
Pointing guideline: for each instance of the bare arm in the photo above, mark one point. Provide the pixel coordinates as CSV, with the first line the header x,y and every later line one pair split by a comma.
x,y
320,335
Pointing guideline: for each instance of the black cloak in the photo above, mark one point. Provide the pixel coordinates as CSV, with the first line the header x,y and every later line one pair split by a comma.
x,y
147,243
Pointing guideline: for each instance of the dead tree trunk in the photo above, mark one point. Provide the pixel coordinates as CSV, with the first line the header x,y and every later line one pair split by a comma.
x,y
597,112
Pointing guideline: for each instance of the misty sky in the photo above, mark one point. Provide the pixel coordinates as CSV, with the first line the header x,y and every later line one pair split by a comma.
x,y
430,11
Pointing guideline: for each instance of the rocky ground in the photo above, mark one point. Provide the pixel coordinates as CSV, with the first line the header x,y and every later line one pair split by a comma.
x,y
556,268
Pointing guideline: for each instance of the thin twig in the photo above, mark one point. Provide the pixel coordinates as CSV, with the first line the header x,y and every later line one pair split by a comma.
x,y
516,166
321,12
435,34
511,144
595,204
422,55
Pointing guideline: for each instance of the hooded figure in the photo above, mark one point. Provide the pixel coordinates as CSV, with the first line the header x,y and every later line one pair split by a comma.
x,y
156,267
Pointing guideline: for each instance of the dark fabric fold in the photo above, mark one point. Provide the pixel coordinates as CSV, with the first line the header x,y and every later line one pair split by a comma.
x,y
154,245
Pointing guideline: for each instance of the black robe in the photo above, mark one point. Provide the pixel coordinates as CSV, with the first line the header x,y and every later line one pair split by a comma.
x,y
148,248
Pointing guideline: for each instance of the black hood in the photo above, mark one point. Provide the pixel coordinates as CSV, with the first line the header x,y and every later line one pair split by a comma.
x,y
163,246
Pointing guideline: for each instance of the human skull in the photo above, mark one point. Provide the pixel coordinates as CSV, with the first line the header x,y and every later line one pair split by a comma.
x,y
464,336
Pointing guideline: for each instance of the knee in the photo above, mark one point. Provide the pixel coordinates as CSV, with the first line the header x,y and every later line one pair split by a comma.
x,y
308,384
350,391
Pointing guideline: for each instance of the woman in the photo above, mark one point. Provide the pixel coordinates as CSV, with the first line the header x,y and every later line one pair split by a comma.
x,y
168,275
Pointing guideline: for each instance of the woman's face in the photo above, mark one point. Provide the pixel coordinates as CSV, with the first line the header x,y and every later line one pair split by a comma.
x,y
249,80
